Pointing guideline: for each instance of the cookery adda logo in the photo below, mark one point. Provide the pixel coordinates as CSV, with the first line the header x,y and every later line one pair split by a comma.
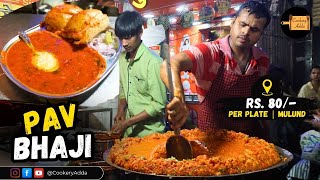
x,y
296,22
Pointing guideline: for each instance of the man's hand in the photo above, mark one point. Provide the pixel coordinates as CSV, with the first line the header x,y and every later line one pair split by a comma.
x,y
177,113
121,116
119,120
119,127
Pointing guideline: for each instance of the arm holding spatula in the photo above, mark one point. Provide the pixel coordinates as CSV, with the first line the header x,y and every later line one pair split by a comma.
x,y
178,146
177,110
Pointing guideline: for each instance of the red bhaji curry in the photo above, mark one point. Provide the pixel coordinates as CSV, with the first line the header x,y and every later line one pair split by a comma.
x,y
79,67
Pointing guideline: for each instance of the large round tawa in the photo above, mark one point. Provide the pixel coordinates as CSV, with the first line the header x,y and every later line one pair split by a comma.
x,y
285,155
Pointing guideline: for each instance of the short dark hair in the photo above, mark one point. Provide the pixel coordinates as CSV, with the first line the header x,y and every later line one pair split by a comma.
x,y
129,23
256,8
315,67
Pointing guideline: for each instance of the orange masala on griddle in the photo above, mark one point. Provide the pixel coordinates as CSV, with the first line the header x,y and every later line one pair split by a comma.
x,y
229,153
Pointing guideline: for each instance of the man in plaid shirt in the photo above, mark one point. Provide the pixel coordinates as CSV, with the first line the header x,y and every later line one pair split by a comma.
x,y
226,67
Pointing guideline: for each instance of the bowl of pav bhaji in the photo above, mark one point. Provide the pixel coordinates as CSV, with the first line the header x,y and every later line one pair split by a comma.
x,y
77,66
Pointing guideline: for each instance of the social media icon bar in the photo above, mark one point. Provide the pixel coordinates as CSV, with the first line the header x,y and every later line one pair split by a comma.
x,y
14,173
26,173
38,173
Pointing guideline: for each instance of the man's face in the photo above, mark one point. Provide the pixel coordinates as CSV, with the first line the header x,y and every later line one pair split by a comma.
x,y
131,43
315,74
246,29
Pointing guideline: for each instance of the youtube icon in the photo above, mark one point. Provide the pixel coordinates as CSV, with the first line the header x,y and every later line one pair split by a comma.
x,y
38,173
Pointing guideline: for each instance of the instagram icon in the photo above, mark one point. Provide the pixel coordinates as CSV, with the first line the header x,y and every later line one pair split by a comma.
x,y
15,173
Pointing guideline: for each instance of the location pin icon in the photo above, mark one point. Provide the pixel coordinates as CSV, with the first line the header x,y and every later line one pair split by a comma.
x,y
267,88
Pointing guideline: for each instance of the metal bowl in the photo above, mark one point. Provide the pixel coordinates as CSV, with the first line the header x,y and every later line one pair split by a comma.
x,y
110,62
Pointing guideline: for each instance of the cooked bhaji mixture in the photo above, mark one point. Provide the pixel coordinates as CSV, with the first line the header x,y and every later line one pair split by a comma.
x,y
229,153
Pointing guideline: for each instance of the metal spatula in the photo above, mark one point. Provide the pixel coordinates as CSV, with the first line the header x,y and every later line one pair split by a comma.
x,y
177,146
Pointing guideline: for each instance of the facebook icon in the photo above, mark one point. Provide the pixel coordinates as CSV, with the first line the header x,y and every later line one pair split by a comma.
x,y
26,173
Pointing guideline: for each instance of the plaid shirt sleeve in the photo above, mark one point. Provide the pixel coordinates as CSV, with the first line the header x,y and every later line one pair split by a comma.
x,y
206,63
